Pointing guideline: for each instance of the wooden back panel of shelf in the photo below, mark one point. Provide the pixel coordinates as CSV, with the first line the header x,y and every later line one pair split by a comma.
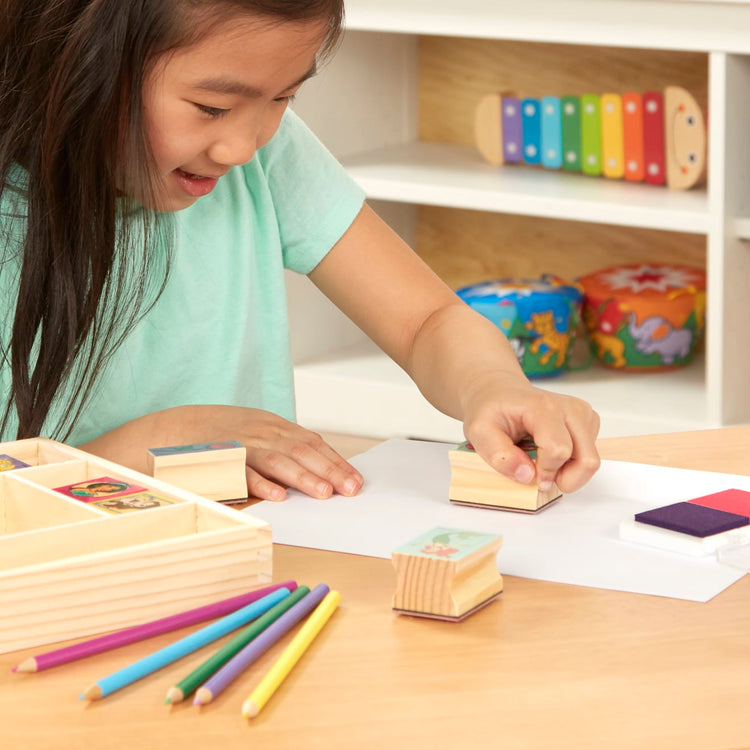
x,y
464,247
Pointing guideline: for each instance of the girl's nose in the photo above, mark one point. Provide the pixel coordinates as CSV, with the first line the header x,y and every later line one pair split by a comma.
x,y
234,147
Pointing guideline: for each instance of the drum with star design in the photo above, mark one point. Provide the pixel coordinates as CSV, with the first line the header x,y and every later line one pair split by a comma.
x,y
645,316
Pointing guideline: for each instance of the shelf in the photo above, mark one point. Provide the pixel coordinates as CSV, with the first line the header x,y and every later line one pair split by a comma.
x,y
742,228
369,115
373,396
455,176
672,25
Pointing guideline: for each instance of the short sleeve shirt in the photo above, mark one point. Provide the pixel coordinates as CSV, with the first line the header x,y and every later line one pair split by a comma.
x,y
219,332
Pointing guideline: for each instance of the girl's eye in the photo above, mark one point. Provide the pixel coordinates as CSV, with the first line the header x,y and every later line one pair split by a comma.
x,y
213,112
286,99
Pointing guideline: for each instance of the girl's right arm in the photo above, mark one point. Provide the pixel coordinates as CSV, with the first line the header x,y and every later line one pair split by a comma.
x,y
280,454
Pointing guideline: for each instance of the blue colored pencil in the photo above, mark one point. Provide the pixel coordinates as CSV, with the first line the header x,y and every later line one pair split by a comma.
x,y
259,645
183,647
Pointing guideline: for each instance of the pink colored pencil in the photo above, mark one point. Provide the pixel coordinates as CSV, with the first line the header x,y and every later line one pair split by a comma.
x,y
146,630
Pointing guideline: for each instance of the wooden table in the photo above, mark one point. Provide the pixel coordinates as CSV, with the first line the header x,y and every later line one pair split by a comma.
x,y
546,666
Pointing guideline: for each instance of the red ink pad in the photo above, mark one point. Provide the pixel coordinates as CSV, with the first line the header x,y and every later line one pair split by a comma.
x,y
731,501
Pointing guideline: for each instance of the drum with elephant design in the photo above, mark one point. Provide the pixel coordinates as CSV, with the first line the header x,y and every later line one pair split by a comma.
x,y
645,316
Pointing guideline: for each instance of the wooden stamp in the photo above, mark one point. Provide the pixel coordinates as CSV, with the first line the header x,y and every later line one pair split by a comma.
x,y
213,470
447,574
8,463
474,482
130,503
100,488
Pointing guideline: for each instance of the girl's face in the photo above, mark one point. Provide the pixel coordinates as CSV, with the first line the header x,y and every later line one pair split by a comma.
x,y
212,105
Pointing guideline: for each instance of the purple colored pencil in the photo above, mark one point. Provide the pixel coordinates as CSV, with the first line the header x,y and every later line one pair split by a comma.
x,y
258,646
146,630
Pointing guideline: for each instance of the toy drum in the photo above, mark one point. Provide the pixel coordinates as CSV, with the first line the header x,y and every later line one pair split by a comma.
x,y
643,316
538,316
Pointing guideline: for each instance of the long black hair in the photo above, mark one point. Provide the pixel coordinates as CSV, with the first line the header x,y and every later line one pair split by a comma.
x,y
70,114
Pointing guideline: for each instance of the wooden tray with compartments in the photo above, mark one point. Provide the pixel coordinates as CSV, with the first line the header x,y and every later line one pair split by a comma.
x,y
70,568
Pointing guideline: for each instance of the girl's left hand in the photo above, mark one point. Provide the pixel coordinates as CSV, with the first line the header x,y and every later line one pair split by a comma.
x,y
499,412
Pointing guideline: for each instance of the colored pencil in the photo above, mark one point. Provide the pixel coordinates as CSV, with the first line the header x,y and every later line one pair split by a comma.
x,y
184,646
269,684
146,630
230,671
197,677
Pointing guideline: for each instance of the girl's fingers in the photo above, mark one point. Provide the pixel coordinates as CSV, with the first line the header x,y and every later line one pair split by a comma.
x,y
318,457
260,487
564,431
501,453
303,468
278,467
566,449
584,461
554,449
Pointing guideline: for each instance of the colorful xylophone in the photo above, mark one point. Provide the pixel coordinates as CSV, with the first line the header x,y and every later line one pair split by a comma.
x,y
651,137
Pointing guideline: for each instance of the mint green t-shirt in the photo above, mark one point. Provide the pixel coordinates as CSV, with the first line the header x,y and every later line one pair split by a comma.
x,y
219,332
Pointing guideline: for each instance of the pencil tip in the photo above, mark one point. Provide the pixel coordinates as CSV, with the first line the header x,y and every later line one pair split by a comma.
x,y
174,695
25,666
202,697
92,693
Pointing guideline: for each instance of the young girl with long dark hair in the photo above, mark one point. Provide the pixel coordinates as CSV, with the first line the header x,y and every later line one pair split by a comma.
x,y
155,185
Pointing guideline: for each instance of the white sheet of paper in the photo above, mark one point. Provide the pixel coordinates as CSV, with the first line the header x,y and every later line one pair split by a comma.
x,y
573,541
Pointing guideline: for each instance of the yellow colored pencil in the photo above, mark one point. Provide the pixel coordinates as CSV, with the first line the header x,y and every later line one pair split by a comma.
x,y
291,655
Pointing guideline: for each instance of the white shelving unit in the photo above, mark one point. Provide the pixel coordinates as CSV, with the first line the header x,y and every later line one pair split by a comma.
x,y
363,106
447,175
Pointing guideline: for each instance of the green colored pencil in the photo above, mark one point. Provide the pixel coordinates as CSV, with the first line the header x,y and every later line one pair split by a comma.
x,y
198,676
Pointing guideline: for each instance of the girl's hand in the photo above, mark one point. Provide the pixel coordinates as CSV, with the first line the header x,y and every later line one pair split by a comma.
x,y
501,411
280,454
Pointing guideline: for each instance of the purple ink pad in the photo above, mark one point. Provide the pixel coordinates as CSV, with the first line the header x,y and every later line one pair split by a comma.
x,y
689,518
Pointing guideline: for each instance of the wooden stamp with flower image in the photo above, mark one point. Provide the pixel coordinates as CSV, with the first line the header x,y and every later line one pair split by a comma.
x,y
447,574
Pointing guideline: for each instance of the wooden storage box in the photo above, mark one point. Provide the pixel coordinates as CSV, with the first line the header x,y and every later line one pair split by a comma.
x,y
69,569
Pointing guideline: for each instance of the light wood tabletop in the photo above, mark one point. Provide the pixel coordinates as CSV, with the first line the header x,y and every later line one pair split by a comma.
x,y
545,666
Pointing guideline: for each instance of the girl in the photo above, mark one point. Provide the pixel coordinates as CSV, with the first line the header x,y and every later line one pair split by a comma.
x,y
154,187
